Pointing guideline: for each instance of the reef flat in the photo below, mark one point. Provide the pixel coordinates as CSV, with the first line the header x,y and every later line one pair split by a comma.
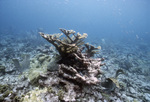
x,y
70,70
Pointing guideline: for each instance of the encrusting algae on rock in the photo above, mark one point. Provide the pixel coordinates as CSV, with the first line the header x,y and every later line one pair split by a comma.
x,y
34,95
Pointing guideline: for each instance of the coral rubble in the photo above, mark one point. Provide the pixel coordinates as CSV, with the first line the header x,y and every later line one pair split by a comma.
x,y
46,76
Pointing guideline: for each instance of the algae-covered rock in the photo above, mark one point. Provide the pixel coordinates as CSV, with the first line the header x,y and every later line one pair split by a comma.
x,y
42,95
34,73
43,58
34,95
38,66
5,90
40,60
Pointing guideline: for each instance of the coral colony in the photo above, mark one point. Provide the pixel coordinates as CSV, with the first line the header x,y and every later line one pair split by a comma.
x,y
76,64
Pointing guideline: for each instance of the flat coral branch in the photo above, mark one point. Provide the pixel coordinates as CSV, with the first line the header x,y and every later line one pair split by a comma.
x,y
91,50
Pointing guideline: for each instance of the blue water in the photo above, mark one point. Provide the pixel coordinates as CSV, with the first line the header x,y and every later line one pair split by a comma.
x,y
108,19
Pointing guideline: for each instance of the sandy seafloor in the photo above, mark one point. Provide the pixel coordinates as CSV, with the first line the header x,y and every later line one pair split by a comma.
x,y
132,58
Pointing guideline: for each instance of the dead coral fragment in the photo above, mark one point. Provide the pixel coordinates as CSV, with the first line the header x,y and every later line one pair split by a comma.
x,y
91,50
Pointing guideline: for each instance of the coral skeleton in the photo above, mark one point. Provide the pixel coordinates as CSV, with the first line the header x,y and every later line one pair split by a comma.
x,y
75,64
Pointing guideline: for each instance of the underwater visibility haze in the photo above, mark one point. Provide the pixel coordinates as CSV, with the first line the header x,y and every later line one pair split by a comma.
x,y
98,51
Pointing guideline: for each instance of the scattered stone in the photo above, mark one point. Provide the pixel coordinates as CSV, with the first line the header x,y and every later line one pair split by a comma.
x,y
1,77
99,101
20,87
118,100
147,97
132,90
26,84
100,96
